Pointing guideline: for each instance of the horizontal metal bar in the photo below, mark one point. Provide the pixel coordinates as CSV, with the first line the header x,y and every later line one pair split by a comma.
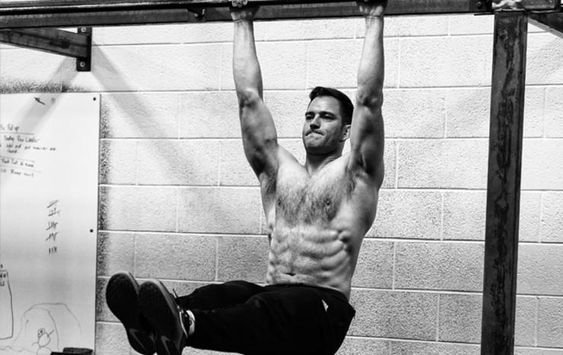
x,y
541,4
552,20
50,6
48,40
96,19
44,6
61,13
104,5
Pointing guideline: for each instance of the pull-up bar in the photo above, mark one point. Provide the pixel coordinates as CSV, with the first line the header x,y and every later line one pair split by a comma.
x,y
64,13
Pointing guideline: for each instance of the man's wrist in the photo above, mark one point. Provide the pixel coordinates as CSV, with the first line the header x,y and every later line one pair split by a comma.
x,y
374,17
243,20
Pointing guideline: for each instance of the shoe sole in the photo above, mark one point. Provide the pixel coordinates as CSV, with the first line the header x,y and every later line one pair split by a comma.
x,y
162,312
122,297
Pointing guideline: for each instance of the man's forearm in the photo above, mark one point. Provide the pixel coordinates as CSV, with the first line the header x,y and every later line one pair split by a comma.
x,y
246,69
371,70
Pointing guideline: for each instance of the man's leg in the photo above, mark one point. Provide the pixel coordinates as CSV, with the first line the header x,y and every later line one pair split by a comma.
x,y
172,319
280,320
216,296
284,319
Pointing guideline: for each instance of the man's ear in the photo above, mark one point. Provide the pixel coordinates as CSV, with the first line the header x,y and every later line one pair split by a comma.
x,y
345,133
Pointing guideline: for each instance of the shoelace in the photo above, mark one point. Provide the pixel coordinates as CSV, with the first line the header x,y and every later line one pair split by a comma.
x,y
183,313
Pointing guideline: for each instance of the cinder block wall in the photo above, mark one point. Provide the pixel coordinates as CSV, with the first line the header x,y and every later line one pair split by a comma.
x,y
178,201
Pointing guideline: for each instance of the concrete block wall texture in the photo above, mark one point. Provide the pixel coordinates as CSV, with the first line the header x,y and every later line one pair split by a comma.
x,y
179,202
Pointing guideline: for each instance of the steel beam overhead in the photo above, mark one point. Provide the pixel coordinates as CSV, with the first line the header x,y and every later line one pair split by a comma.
x,y
503,188
63,13
394,7
541,4
552,20
44,6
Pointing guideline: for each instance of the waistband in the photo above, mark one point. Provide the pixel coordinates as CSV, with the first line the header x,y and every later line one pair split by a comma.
x,y
325,290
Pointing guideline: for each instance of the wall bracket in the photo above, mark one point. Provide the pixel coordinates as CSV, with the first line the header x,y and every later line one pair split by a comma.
x,y
52,40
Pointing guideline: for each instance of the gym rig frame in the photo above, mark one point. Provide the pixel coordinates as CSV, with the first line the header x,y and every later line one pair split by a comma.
x,y
32,24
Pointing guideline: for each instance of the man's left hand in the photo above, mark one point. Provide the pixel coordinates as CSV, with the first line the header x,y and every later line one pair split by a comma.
x,y
241,11
372,8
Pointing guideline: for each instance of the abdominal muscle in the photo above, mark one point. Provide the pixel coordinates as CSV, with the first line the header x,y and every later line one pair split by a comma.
x,y
311,255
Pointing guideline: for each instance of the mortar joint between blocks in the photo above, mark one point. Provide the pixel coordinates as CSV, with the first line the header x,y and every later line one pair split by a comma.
x,y
394,270
442,214
438,318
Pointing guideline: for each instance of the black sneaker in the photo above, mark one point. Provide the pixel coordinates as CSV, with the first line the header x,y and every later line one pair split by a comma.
x,y
165,316
122,297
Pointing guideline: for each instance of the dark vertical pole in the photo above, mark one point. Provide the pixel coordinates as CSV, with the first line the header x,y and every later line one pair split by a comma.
x,y
503,189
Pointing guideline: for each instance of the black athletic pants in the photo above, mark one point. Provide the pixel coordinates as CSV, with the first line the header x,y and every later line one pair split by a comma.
x,y
286,319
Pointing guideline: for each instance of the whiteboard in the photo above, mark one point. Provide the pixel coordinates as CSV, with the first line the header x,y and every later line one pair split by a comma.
x,y
48,221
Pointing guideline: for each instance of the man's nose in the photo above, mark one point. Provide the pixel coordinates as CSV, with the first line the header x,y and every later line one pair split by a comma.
x,y
315,122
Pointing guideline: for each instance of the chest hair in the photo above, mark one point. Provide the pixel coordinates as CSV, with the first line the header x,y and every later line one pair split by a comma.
x,y
301,198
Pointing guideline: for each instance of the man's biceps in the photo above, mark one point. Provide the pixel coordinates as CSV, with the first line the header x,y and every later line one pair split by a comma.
x,y
368,139
250,114
261,152
373,154
368,112
369,154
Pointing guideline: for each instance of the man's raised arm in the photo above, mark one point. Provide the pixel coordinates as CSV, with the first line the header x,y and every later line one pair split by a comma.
x,y
367,135
258,130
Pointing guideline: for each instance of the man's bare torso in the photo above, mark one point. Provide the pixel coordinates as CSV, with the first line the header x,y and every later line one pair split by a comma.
x,y
316,223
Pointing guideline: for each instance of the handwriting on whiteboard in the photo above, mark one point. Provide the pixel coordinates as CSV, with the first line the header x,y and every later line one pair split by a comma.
x,y
14,143
9,127
53,214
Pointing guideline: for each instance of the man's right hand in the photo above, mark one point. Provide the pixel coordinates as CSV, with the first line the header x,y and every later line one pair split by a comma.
x,y
507,4
239,10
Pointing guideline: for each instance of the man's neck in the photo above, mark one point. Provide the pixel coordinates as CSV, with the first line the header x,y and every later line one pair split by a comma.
x,y
314,163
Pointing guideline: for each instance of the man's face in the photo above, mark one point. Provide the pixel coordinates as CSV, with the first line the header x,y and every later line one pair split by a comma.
x,y
323,131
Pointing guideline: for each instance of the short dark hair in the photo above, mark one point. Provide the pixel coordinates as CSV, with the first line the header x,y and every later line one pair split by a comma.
x,y
346,105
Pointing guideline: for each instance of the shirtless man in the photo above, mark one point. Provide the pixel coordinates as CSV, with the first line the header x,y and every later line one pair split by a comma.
x,y
317,215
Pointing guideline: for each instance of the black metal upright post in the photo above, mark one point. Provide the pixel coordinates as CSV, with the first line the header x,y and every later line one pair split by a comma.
x,y
503,189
